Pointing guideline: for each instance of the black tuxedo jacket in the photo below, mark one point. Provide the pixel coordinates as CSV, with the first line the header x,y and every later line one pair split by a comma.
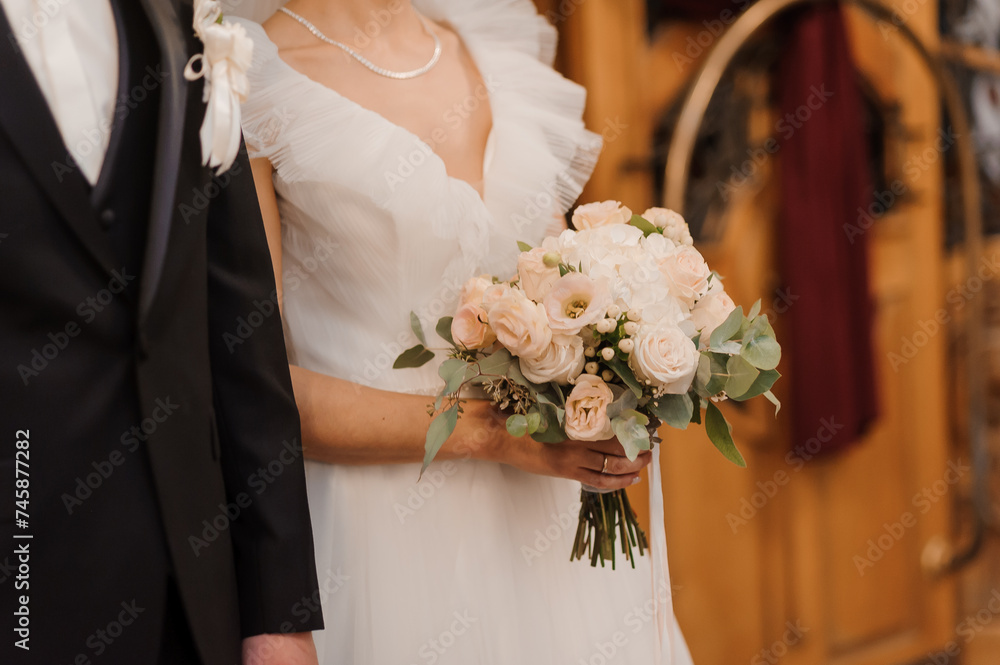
x,y
139,451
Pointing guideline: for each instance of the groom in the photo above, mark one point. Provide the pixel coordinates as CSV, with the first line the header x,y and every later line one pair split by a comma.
x,y
152,498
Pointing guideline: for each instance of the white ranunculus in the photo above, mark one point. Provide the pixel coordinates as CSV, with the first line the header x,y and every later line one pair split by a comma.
x,y
664,356
561,362
470,329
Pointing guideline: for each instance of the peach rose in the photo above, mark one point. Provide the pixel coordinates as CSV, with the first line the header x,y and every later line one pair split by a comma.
x,y
687,273
665,357
605,213
470,328
519,324
587,410
535,277
576,301
473,290
561,362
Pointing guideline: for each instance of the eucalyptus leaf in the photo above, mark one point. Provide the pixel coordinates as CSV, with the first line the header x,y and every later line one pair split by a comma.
x,y
624,400
517,425
765,379
762,352
418,329
534,421
440,429
741,375
524,247
720,433
725,331
443,329
631,433
496,364
625,373
719,374
550,430
415,356
674,410
454,371
641,223
755,310
773,400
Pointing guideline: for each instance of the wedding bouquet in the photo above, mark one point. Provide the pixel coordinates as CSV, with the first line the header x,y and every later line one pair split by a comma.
x,y
611,329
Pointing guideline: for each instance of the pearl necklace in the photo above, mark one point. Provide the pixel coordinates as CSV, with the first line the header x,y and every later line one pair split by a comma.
x,y
388,73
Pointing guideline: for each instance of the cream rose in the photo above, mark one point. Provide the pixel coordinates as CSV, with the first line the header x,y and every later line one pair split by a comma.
x,y
470,329
604,213
710,312
664,356
519,324
687,273
587,410
535,277
576,301
473,290
673,224
562,361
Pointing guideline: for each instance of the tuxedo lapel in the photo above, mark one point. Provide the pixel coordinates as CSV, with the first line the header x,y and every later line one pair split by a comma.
x,y
169,32
27,121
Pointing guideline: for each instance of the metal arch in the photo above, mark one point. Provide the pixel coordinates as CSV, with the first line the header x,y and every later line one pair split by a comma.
x,y
681,149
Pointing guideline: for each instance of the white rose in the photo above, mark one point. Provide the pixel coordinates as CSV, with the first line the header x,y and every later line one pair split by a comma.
x,y
535,277
664,356
605,213
710,312
673,224
587,410
687,273
519,324
562,361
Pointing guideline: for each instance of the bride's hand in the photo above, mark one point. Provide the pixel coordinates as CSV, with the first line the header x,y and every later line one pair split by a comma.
x,y
487,438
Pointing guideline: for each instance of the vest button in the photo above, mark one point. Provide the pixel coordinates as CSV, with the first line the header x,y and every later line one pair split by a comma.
x,y
107,218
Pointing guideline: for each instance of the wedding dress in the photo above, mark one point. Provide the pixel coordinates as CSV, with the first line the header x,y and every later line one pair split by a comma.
x,y
469,566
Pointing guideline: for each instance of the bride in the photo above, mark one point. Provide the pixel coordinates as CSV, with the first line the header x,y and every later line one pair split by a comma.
x,y
398,150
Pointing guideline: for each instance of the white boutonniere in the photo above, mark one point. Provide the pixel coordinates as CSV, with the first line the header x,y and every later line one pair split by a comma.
x,y
224,64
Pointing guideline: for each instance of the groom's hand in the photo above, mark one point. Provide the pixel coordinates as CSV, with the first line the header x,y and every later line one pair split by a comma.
x,y
286,649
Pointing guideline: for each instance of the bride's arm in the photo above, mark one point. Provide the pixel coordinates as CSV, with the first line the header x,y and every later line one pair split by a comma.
x,y
346,423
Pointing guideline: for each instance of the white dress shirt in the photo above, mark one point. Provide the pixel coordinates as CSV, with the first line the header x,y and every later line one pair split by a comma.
x,y
72,49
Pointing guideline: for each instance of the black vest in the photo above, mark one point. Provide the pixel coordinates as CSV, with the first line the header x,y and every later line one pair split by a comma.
x,y
121,196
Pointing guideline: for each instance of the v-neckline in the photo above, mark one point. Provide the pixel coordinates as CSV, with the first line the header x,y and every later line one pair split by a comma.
x,y
423,145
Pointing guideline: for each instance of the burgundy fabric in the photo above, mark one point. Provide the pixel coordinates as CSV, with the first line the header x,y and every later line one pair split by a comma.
x,y
825,180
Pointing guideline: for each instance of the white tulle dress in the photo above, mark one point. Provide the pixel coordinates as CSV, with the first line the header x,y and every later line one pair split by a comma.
x,y
471,565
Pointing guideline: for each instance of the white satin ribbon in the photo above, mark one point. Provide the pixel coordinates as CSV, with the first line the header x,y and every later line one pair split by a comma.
x,y
663,604
224,64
